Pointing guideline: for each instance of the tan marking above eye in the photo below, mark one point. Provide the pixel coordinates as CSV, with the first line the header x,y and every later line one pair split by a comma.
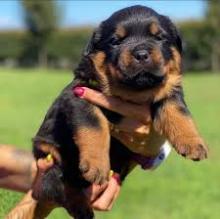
x,y
154,28
120,31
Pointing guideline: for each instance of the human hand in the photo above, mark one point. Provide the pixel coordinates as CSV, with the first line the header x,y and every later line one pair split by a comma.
x,y
135,124
102,197
138,112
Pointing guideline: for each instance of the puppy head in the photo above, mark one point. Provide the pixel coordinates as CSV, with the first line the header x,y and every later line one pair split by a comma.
x,y
133,48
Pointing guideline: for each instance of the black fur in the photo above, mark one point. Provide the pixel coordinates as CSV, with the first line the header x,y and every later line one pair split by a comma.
x,y
135,19
177,97
68,113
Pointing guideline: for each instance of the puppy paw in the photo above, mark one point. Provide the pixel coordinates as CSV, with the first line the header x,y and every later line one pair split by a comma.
x,y
194,149
49,186
95,170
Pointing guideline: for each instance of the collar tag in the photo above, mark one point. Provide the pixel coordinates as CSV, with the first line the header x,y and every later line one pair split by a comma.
x,y
151,163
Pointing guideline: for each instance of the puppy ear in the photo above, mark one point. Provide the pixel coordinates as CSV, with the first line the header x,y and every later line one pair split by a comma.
x,y
177,38
179,42
91,45
171,28
85,70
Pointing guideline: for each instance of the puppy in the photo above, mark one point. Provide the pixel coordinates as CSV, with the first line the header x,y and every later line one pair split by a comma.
x,y
134,55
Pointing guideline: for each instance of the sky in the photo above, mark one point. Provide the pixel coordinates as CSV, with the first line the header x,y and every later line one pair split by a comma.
x,y
76,13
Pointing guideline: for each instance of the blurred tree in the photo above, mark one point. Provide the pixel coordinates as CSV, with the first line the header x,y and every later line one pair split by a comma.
x,y
41,20
197,49
213,19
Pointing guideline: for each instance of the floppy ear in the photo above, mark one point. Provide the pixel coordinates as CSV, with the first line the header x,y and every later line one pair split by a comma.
x,y
177,38
85,70
90,47
179,42
171,28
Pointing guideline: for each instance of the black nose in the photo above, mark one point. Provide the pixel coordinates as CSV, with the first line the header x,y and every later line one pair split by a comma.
x,y
141,55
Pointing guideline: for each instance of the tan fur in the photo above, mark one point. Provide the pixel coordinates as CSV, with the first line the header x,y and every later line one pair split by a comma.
x,y
107,73
94,150
101,69
141,144
49,149
154,28
156,56
173,125
120,31
181,131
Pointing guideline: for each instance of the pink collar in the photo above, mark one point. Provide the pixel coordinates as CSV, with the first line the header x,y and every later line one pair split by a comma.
x,y
145,162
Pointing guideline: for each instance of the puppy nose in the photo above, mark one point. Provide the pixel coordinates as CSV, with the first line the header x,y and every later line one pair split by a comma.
x,y
141,55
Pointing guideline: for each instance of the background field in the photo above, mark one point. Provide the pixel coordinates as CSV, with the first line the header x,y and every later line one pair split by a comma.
x,y
179,189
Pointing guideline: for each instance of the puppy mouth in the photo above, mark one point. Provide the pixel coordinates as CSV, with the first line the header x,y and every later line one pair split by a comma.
x,y
142,80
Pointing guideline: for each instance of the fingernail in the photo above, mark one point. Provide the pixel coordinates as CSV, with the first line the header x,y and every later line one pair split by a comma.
x,y
116,176
49,158
78,91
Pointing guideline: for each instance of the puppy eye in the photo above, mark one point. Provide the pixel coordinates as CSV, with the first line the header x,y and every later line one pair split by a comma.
x,y
159,37
115,41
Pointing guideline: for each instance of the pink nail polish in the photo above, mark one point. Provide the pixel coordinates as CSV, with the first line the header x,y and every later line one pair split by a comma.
x,y
116,176
78,91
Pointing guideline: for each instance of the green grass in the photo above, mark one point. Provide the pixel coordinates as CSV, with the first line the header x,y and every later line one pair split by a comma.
x,y
179,189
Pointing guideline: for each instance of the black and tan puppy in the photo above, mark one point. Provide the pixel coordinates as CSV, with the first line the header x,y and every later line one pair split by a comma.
x,y
135,55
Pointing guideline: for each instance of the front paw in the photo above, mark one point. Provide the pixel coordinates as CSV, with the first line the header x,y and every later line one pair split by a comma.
x,y
192,148
48,186
96,169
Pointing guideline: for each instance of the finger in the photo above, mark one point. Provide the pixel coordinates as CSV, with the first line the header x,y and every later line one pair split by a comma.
x,y
113,200
94,191
117,178
107,198
48,149
44,164
140,112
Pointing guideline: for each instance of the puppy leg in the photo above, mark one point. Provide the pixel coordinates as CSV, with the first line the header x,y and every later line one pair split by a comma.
x,y
48,184
93,141
43,209
77,204
173,120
